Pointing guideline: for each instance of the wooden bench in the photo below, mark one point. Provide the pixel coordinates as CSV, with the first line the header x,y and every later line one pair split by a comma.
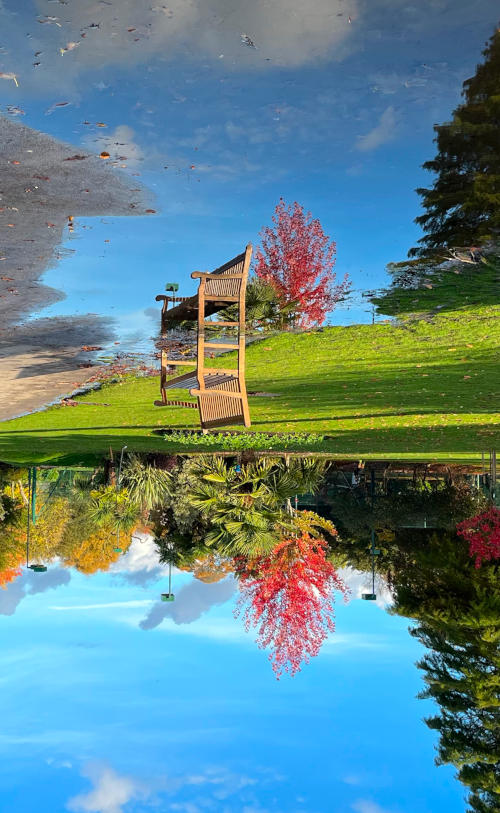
x,y
220,392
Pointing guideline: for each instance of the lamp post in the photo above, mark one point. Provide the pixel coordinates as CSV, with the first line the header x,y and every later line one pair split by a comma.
x,y
120,468
169,596
36,568
117,548
373,550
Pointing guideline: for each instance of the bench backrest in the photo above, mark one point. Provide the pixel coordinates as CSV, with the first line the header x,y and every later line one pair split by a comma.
x,y
216,285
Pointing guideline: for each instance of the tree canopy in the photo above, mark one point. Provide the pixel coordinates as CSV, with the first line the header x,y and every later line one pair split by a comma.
x,y
462,208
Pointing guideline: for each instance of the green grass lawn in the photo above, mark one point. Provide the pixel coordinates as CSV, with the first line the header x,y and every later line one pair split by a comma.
x,y
446,290
426,389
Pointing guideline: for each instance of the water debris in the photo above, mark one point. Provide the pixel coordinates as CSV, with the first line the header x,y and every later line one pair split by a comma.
x,y
76,158
245,39
15,111
10,76
55,106
163,10
104,155
70,46
50,20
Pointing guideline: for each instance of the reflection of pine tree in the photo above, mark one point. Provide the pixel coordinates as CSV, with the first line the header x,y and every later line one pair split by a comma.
x,y
458,612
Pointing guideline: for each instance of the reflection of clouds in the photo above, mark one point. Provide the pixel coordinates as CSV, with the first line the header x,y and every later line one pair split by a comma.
x,y
383,132
140,565
285,33
359,582
119,143
110,791
29,584
191,602
366,806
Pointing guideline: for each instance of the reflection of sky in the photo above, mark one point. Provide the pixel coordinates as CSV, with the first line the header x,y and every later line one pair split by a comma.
x,y
334,107
101,715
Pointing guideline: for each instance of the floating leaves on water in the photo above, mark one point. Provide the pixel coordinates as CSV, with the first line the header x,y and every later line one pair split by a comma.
x,y
55,106
12,76
245,39
50,20
70,46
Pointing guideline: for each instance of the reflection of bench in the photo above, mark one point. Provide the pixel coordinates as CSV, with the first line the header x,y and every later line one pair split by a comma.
x,y
221,392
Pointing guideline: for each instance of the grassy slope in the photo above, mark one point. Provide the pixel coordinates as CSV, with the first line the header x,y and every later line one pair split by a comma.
x,y
426,389
448,290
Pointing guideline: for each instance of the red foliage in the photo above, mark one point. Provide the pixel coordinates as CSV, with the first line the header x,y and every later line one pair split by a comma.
x,y
297,258
289,597
483,533
8,575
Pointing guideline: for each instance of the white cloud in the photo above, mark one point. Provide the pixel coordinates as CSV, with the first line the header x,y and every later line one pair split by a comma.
x,y
191,602
134,603
109,794
360,582
383,132
366,806
140,565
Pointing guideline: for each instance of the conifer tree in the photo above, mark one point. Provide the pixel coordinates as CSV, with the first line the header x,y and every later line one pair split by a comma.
x,y
462,208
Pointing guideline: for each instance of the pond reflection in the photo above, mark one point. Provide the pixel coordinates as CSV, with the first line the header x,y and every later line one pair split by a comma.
x,y
212,545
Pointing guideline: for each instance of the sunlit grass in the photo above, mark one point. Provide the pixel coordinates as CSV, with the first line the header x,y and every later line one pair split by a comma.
x,y
424,389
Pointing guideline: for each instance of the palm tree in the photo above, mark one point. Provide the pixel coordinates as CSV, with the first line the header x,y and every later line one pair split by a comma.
x,y
147,486
114,509
247,508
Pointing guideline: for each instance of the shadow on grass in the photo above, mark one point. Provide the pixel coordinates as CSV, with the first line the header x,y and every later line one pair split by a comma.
x,y
439,443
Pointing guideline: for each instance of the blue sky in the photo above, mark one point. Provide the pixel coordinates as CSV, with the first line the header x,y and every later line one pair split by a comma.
x,y
100,714
334,107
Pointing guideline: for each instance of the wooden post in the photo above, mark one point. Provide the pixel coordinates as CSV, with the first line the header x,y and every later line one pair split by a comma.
x,y
241,340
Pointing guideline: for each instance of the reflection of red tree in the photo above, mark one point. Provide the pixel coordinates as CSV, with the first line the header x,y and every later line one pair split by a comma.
x,y
483,534
289,597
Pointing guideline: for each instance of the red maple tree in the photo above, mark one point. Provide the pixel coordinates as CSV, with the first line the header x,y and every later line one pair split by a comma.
x,y
289,597
483,534
298,259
